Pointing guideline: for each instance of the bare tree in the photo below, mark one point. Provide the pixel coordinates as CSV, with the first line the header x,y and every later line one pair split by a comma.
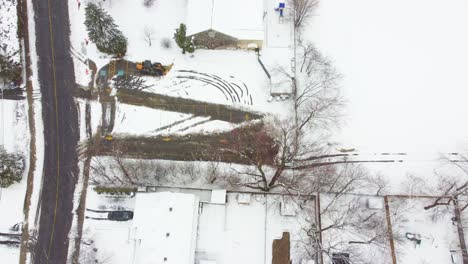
x,y
301,11
341,222
300,146
452,189
317,88
120,171
452,198
149,32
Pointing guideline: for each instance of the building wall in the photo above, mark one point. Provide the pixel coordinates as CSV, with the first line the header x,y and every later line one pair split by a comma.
x,y
212,39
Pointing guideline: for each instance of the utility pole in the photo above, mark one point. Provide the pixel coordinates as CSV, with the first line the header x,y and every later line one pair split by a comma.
x,y
3,127
461,233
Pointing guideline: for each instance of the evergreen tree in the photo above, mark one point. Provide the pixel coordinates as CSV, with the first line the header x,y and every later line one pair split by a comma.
x,y
11,168
9,69
184,42
104,32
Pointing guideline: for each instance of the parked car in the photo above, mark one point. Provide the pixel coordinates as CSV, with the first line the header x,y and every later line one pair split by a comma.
x,y
120,215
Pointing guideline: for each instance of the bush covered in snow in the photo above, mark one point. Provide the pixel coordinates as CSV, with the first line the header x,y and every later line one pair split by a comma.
x,y
166,43
11,168
104,32
149,3
10,70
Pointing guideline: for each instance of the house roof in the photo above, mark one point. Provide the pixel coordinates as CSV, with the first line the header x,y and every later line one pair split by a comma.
x,y
164,227
242,19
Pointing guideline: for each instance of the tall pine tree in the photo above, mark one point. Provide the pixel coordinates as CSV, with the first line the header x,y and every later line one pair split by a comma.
x,y
184,42
9,69
104,32
11,168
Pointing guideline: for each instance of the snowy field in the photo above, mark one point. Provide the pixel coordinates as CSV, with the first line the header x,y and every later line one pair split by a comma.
x,y
403,63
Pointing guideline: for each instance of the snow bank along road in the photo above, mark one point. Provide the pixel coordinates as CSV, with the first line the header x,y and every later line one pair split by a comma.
x,y
61,131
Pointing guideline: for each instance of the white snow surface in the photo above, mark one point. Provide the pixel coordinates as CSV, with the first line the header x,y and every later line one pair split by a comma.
x,y
438,236
244,233
404,84
403,63
143,121
14,137
165,227
38,122
110,237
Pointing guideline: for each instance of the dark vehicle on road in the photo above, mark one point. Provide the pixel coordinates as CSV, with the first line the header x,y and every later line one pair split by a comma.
x,y
120,215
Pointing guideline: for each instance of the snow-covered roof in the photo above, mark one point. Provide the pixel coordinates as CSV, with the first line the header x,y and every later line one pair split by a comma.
x,y
218,196
242,19
164,227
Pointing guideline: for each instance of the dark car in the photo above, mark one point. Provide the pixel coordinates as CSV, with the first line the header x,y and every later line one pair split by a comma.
x,y
120,215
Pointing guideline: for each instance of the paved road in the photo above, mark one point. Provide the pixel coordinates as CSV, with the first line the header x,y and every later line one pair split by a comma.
x,y
60,128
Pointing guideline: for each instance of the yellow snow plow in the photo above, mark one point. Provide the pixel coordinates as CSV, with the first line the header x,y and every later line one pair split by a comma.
x,y
153,69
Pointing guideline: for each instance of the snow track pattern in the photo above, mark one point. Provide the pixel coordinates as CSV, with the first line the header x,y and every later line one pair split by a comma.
x,y
234,91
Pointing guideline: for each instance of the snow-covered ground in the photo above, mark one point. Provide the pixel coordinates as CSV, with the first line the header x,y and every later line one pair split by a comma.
x,y
403,65
39,126
14,137
238,67
143,121
403,82
439,236
110,237
350,222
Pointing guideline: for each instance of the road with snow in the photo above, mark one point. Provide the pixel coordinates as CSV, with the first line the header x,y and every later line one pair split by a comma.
x,y
56,77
